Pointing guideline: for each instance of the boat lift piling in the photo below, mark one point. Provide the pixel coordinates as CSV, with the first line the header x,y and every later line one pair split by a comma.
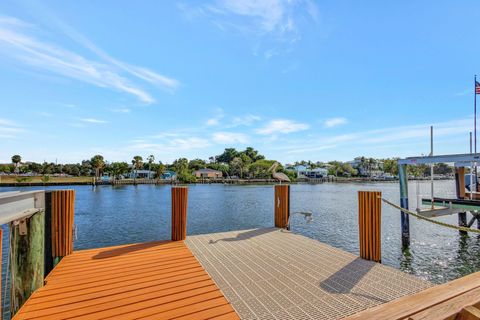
x,y
405,219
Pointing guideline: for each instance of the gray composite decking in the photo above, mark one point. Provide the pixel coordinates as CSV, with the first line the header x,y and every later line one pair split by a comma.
x,y
275,274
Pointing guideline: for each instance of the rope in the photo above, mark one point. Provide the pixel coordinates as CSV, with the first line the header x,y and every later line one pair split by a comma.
x,y
440,223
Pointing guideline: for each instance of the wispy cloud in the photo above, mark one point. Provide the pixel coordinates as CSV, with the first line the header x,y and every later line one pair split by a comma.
x,y
9,129
215,120
380,137
246,120
274,22
19,42
464,92
282,126
333,122
230,138
93,120
121,110
172,145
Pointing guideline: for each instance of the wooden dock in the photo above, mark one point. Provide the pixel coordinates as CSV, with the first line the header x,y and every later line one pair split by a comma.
x,y
266,273
156,280
257,274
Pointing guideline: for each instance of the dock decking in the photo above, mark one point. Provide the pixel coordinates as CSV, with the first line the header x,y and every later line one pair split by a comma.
x,y
156,280
257,274
275,274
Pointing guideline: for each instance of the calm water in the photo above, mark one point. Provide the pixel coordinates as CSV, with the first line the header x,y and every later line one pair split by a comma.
x,y
108,215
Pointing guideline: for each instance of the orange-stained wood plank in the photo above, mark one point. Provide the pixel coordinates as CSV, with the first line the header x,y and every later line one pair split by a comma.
x,y
159,280
405,307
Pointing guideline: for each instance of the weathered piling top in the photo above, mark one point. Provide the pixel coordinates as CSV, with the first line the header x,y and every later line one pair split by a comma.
x,y
257,274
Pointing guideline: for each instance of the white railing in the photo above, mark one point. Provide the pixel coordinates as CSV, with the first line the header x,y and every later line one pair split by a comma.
x,y
15,205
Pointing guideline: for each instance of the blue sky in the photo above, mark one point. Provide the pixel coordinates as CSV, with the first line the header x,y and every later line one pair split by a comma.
x,y
312,80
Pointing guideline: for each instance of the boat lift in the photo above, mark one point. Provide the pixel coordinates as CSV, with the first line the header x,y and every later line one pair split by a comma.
x,y
467,197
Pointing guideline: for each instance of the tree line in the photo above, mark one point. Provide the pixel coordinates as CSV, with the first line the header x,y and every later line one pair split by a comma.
x,y
246,164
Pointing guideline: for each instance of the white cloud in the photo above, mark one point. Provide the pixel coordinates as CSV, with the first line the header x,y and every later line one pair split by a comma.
x,y
282,126
383,138
121,110
92,120
214,121
9,129
333,122
172,145
230,138
268,13
246,120
272,21
19,44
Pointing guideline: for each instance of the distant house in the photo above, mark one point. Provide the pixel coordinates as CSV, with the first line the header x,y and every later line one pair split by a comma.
x,y
169,175
141,174
366,168
208,173
305,173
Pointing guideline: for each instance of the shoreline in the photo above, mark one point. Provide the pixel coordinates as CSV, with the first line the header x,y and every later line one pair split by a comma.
x,y
222,181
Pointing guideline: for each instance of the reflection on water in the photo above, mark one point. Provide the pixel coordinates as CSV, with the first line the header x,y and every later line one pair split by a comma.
x,y
108,215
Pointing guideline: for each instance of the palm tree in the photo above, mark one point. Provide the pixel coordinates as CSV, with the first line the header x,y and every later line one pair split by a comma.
x,y
150,159
98,163
160,169
137,164
16,159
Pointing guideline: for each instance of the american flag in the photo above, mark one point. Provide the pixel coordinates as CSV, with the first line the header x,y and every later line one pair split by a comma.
x,y
477,87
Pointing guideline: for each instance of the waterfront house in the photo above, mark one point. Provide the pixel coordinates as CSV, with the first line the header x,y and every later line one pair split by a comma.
x,y
141,174
169,175
208,173
367,167
306,173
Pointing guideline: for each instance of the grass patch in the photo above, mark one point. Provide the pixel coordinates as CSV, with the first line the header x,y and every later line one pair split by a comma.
x,y
43,179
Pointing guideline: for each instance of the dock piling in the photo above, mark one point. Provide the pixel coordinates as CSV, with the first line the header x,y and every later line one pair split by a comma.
x,y
282,206
460,190
179,213
26,258
369,220
405,221
59,220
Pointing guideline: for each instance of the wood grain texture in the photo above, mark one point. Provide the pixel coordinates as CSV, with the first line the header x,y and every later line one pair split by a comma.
x,y
156,280
27,260
445,301
62,210
282,205
179,213
369,224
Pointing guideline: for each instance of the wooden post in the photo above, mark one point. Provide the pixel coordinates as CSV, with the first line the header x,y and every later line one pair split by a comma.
x,y
405,221
282,205
460,182
179,213
460,190
26,258
369,220
60,212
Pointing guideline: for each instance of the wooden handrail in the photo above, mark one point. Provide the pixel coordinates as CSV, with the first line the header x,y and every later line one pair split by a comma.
x,y
16,205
